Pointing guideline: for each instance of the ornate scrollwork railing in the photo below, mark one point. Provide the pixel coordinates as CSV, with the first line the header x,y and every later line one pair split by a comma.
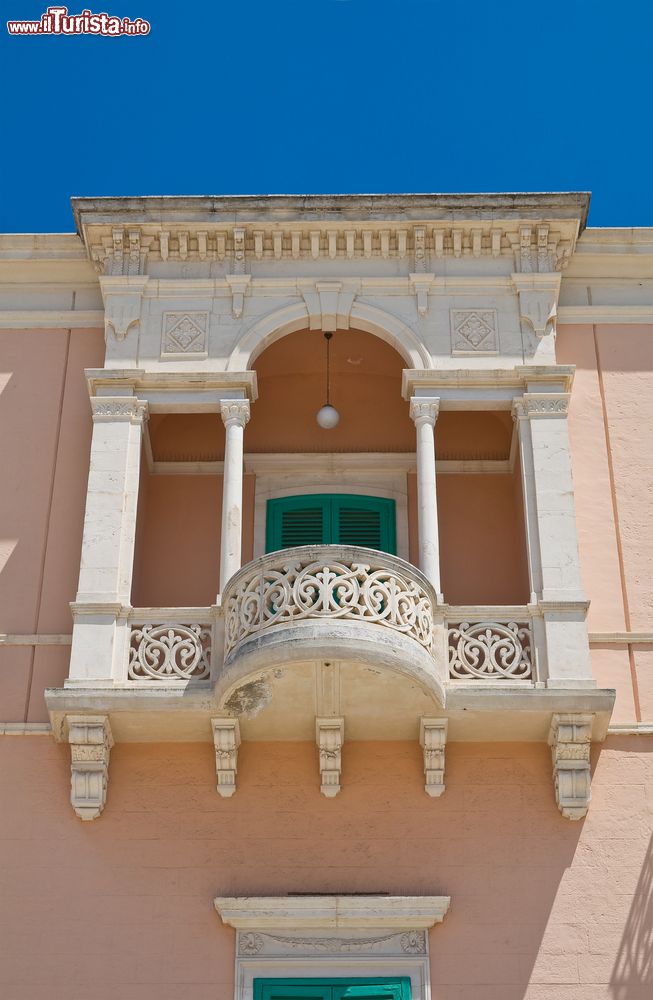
x,y
169,652
490,650
332,582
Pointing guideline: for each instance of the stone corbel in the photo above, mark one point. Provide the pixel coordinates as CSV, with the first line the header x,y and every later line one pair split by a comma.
x,y
330,735
226,739
432,739
420,285
328,304
538,302
570,740
238,284
90,745
123,298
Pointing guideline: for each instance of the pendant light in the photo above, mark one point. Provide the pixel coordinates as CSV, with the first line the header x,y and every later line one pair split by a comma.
x,y
327,417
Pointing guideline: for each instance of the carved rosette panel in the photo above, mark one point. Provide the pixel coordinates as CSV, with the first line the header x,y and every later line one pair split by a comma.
x,y
169,652
184,333
296,589
474,331
490,650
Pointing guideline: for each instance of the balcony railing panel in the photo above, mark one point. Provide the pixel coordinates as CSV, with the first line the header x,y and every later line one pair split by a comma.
x,y
490,649
170,647
329,582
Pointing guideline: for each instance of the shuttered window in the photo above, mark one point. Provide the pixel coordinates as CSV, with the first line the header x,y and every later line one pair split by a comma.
x,y
382,988
331,519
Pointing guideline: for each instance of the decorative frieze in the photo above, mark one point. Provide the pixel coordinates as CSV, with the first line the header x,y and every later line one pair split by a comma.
x,y
226,740
119,408
540,404
90,742
570,741
184,334
330,735
490,651
432,739
169,652
474,331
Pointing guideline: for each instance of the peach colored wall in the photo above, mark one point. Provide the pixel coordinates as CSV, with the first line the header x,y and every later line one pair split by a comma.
x,y
612,458
365,387
45,433
482,546
542,908
179,542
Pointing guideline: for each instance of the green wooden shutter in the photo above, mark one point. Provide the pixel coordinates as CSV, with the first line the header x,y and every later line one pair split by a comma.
x,y
381,988
329,519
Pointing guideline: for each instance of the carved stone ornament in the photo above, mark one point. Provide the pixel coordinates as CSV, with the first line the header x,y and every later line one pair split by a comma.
x,y
184,333
123,298
538,302
90,742
424,409
474,331
570,741
169,652
119,408
239,284
226,740
432,739
490,650
330,735
544,404
235,411
328,304
420,283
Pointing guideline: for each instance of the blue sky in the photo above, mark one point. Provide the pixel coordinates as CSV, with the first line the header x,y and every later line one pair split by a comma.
x,y
331,96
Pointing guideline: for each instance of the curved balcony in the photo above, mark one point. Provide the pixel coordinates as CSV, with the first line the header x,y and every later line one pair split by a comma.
x,y
331,602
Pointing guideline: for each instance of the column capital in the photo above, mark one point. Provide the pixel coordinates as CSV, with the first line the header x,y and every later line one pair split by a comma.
x,y
109,409
424,409
540,404
235,412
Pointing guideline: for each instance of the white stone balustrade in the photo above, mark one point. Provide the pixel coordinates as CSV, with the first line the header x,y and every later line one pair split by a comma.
x,y
170,652
328,582
490,650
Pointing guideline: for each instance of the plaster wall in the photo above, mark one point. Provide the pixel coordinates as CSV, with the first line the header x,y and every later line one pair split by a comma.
x,y
612,458
45,433
542,909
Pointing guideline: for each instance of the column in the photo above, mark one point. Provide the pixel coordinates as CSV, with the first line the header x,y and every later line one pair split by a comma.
x,y
106,566
235,414
424,412
551,538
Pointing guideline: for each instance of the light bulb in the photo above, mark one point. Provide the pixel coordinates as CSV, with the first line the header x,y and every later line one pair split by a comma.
x,y
327,417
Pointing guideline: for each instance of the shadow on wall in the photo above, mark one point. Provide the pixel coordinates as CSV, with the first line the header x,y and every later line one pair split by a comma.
x,y
633,969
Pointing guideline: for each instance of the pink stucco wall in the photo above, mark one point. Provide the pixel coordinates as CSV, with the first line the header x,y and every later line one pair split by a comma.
x,y
44,453
542,909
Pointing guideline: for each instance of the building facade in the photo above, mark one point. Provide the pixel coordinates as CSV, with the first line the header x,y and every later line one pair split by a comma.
x,y
326,604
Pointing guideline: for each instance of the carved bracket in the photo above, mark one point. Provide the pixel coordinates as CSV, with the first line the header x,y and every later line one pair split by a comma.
x,y
538,302
226,739
122,304
238,284
420,285
330,735
432,739
329,305
570,739
90,745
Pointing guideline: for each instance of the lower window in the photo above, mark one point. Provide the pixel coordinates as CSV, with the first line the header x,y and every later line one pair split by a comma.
x,y
380,988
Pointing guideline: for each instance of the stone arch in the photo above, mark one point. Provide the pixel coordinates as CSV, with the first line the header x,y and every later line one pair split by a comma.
x,y
363,316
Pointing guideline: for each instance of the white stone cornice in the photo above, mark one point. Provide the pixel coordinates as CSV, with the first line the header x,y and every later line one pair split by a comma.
x,y
324,912
235,412
51,319
626,313
424,410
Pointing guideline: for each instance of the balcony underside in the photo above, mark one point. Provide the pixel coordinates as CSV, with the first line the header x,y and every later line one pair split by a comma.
x,y
377,704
